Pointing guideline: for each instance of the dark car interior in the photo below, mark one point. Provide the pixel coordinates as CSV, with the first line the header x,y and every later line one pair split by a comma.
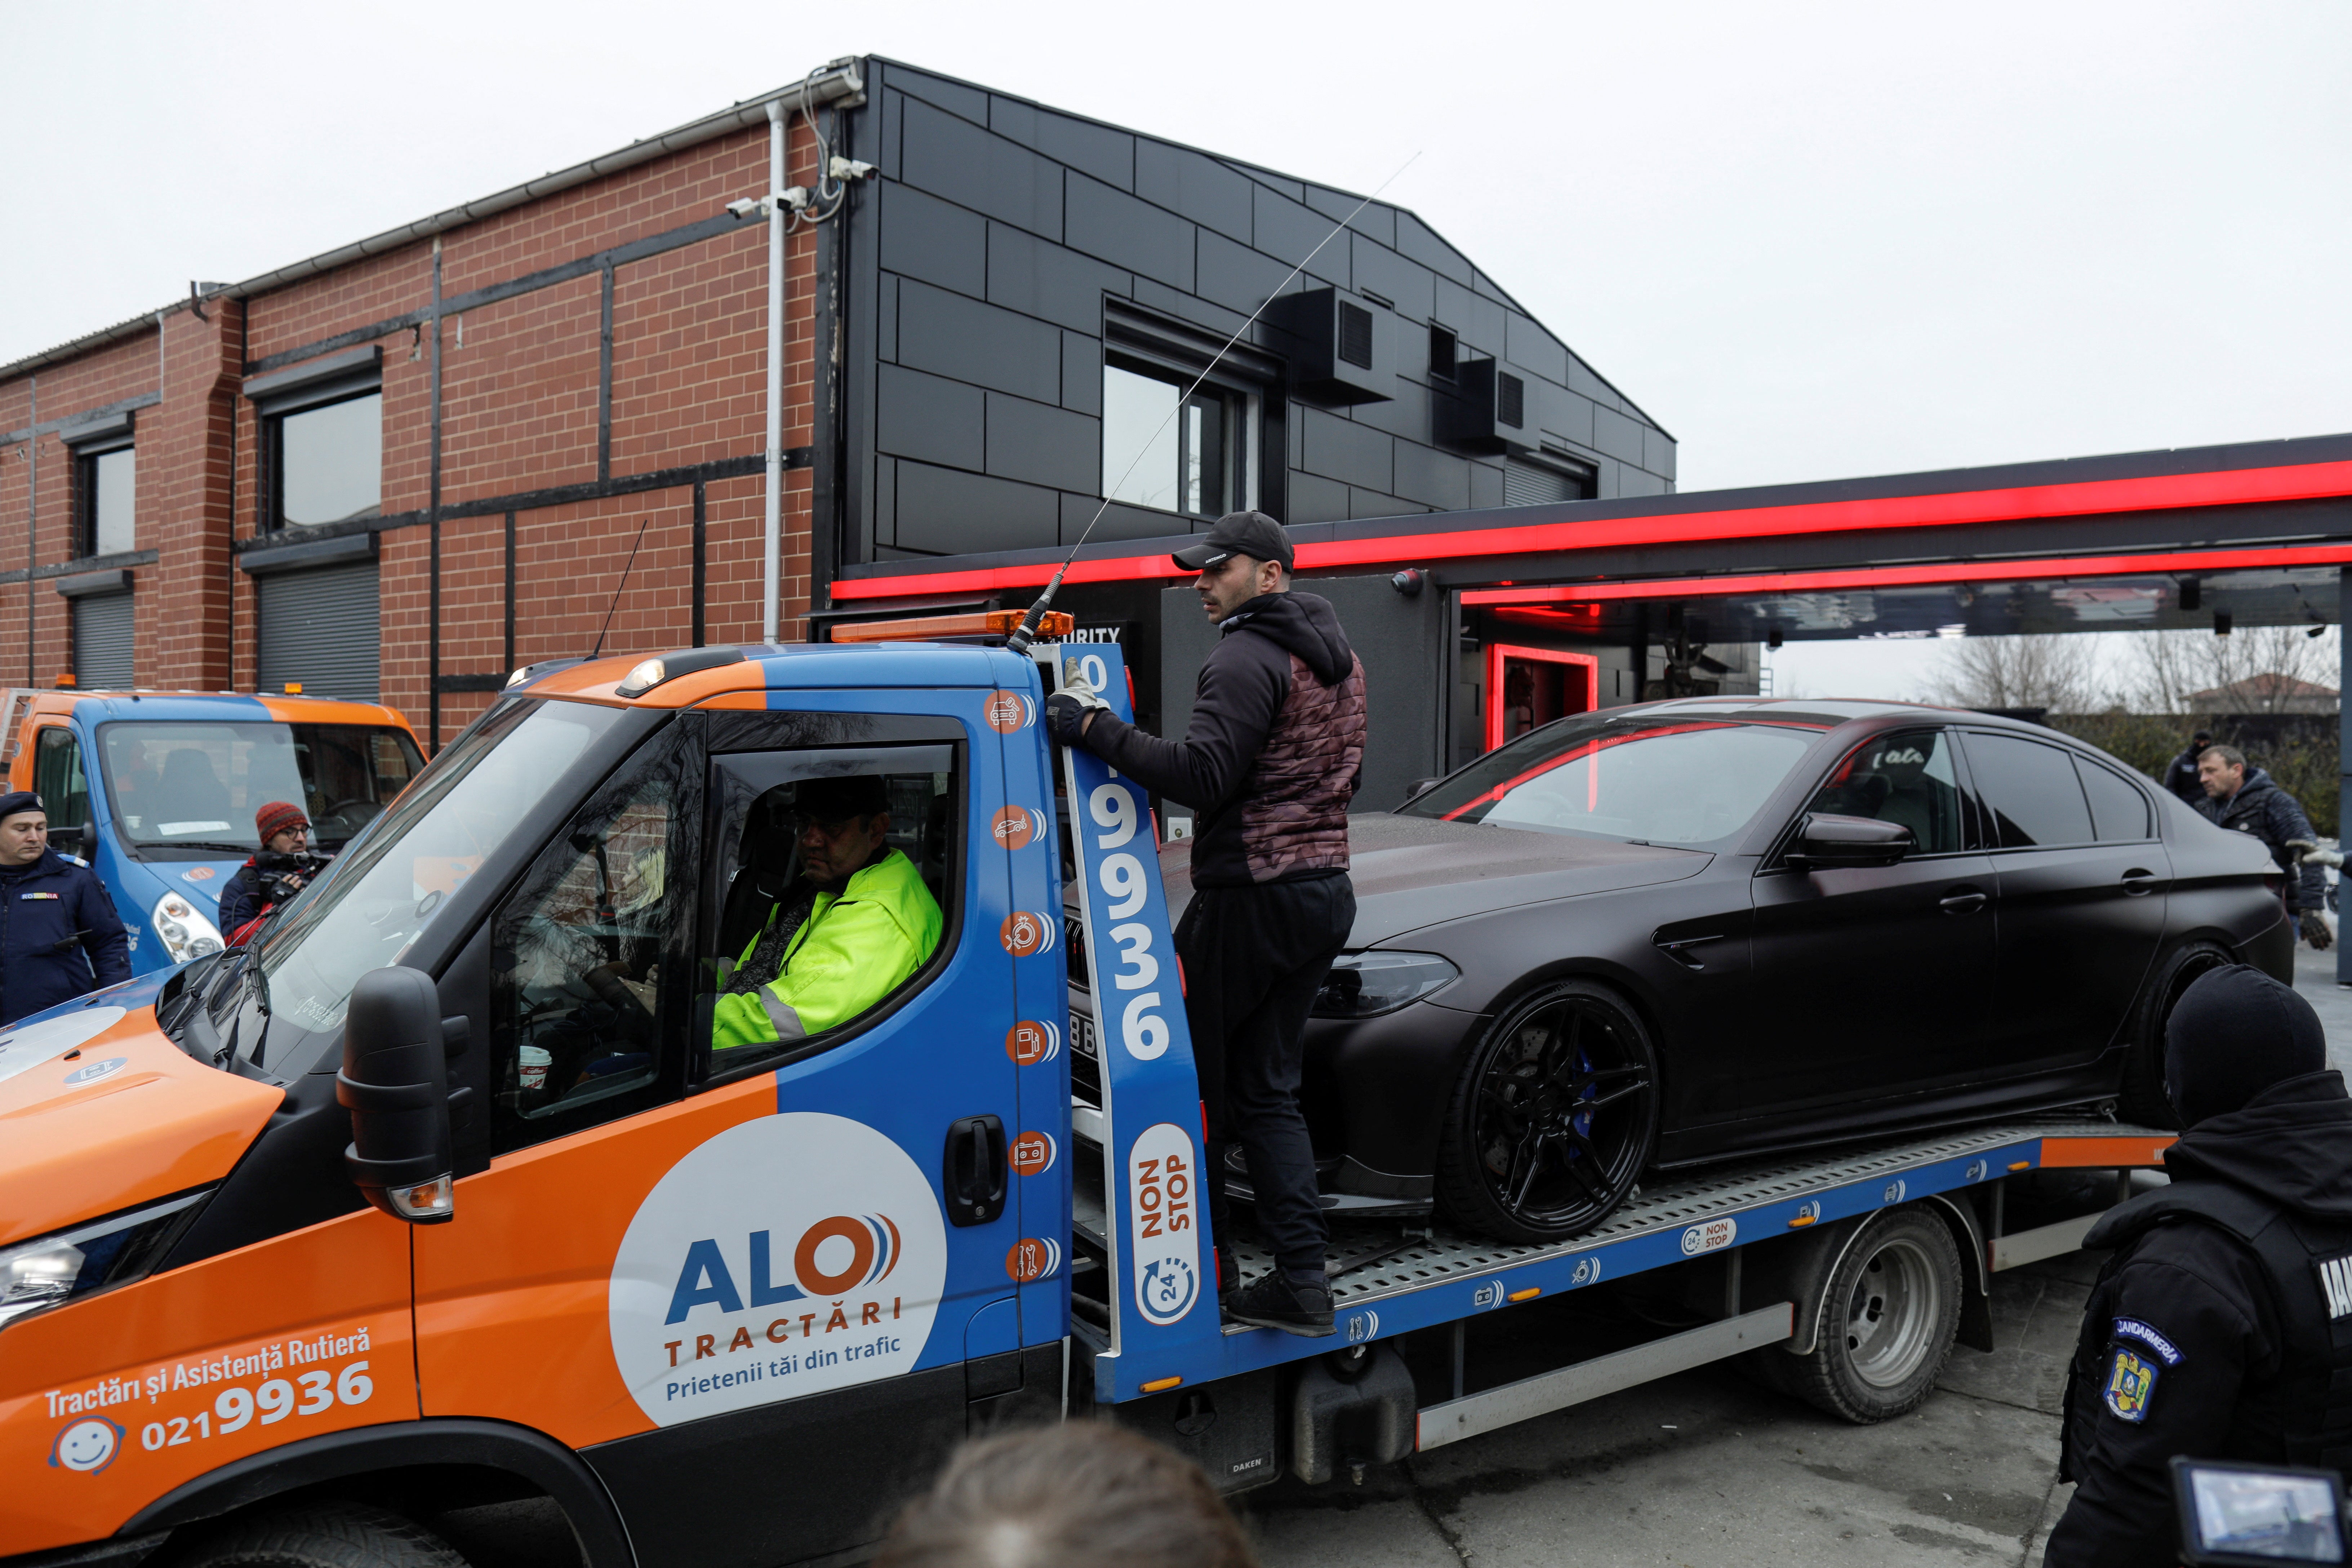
x,y
1905,779
768,861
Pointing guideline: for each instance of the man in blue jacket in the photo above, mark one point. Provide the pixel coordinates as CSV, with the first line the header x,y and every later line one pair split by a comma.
x,y
2247,801
60,936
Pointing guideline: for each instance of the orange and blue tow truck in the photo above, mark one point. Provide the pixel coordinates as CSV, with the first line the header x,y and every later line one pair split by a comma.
x,y
436,1202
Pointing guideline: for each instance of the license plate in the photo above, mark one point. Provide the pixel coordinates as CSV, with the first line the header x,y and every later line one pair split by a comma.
x,y
1082,1035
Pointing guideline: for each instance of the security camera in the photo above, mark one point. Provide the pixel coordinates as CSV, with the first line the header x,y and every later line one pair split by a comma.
x,y
745,206
1409,581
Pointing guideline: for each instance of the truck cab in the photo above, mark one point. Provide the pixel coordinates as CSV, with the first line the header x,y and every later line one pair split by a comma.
x,y
156,791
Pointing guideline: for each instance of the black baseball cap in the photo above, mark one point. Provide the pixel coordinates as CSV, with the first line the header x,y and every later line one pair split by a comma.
x,y
1250,534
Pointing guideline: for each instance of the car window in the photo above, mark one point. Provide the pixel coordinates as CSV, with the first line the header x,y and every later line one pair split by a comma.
x,y
2118,809
1907,778
775,930
58,780
1660,779
588,965
2031,791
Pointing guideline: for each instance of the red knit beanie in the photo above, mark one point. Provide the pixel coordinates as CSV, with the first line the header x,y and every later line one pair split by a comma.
x,y
276,819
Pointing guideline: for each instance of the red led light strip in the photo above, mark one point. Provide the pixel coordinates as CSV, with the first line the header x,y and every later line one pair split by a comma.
x,y
2233,487
1899,576
1587,664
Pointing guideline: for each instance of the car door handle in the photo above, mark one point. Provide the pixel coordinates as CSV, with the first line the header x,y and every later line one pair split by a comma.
x,y
1962,900
972,1170
2138,883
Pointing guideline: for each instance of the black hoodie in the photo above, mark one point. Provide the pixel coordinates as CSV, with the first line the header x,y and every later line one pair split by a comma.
x,y
2196,1309
1271,756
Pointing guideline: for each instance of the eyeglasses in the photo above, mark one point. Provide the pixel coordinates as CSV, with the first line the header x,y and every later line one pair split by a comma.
x,y
831,826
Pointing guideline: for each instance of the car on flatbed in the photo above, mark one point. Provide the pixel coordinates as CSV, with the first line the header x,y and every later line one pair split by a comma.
x,y
1654,936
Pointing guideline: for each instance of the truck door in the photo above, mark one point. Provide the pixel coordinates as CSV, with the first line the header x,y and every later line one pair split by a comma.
x,y
741,1280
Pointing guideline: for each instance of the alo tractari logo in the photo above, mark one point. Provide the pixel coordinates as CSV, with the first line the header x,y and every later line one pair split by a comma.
x,y
790,1255
1025,933
1006,711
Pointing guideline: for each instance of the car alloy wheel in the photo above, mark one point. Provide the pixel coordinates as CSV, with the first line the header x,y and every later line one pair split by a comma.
x,y
1554,1116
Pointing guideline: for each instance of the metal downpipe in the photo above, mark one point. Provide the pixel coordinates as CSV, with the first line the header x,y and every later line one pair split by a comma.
x,y
773,544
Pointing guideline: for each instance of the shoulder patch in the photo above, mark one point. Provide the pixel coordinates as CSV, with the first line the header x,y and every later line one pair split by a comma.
x,y
2133,1329
36,896
2131,1385
2336,1284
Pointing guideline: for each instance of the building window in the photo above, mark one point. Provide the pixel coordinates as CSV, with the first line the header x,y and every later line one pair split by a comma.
x,y
1443,353
106,495
327,461
1194,459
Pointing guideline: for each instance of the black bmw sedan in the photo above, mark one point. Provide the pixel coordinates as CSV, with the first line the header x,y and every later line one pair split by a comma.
x,y
1659,935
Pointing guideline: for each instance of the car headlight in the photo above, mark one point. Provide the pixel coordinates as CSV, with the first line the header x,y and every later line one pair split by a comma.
x,y
186,934
1363,984
74,1263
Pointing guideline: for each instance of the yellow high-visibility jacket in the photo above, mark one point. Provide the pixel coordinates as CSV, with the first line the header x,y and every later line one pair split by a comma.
x,y
853,951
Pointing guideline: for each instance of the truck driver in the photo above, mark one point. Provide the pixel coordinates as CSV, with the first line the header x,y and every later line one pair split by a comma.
x,y
856,924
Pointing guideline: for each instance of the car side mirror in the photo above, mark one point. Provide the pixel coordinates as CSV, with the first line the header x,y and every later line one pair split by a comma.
x,y
395,1083
1418,787
1827,841
68,838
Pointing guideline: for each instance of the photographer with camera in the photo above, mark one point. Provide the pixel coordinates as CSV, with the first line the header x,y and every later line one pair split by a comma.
x,y
283,867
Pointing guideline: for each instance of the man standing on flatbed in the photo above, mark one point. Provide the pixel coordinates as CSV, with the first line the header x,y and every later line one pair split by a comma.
x,y
1269,762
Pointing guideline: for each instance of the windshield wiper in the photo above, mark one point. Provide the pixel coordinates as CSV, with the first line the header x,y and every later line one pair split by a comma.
x,y
195,844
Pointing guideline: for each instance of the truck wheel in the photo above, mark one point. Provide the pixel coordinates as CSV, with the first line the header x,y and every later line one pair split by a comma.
x,y
334,1535
1892,1308
2141,1097
1553,1117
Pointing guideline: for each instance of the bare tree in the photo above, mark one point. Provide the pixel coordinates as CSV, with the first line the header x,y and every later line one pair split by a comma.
x,y
2049,670
2168,670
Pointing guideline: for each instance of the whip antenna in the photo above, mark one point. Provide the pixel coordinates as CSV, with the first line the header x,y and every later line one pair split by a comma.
x,y
1026,631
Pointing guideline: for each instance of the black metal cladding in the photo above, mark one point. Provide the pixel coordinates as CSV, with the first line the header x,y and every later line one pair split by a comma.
x,y
988,265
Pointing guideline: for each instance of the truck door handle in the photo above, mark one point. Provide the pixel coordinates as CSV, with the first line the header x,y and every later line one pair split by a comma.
x,y
973,1170
2138,883
1961,901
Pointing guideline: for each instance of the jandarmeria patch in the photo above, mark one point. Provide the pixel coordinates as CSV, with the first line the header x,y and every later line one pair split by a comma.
x,y
2147,1335
2336,1284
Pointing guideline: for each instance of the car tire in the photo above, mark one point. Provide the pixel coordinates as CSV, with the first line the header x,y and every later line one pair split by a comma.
x,y
2141,1097
1518,1160
332,1535
1891,1311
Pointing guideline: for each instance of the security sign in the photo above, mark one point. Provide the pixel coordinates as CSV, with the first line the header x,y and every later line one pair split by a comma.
x,y
787,1256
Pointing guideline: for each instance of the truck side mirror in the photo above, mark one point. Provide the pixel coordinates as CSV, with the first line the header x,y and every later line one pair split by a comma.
x,y
68,838
394,1083
1827,840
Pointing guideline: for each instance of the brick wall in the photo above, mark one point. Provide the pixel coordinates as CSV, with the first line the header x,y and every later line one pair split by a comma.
x,y
521,391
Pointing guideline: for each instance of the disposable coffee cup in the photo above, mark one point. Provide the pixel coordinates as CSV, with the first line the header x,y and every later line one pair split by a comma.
x,y
534,1067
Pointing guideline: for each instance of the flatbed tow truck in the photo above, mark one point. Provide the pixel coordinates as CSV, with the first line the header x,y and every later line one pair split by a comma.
x,y
716,1312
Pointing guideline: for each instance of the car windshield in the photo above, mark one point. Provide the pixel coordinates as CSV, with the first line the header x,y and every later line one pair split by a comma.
x,y
1654,778
194,786
369,908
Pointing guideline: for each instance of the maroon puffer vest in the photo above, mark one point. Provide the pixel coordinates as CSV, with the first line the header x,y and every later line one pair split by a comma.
x,y
1293,805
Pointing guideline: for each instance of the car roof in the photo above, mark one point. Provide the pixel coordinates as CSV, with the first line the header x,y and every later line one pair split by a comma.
x,y
715,681
215,707
1834,713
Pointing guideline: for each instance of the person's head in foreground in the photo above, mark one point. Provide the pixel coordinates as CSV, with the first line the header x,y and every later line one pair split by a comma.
x,y
2232,1036
1070,1496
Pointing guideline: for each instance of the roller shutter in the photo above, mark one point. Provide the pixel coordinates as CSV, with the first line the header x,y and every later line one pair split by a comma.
x,y
1528,484
320,628
101,642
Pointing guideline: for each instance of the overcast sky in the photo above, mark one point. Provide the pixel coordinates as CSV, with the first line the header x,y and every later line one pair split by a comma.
x,y
1811,240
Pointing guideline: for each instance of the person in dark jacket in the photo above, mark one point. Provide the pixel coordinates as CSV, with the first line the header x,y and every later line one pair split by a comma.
x,y
1269,760
283,867
2181,773
2247,802
2222,1326
60,936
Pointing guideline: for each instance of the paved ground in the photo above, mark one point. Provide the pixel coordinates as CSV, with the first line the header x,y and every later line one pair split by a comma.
x,y
1707,1469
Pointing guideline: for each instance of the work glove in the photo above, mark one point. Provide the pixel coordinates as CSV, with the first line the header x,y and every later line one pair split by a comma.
x,y
1066,710
2315,933
2313,855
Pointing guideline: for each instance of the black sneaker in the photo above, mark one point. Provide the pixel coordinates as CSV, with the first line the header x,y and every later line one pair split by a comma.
x,y
1276,1301
1229,1273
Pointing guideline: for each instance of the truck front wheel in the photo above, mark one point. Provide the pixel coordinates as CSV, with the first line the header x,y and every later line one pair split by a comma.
x,y
332,1535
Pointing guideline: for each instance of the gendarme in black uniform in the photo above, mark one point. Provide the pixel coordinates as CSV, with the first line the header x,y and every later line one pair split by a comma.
x,y
60,936
2225,1319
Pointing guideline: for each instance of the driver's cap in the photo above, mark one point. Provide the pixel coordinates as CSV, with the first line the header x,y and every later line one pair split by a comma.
x,y
1250,534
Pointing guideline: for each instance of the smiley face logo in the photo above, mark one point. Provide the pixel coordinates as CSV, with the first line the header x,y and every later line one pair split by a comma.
x,y
1014,826
1025,933
1006,711
87,1446
1032,1041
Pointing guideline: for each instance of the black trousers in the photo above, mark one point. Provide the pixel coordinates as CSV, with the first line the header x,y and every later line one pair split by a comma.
x,y
1253,958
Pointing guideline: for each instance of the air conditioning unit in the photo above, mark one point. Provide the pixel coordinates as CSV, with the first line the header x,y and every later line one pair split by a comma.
x,y
1489,409
1341,346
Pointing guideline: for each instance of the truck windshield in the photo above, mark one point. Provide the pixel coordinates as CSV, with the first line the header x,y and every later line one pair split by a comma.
x,y
1662,780
376,900
193,787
